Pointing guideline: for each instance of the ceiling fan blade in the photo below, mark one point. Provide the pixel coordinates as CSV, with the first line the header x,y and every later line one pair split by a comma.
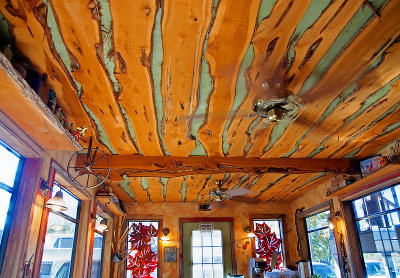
x,y
238,192
246,200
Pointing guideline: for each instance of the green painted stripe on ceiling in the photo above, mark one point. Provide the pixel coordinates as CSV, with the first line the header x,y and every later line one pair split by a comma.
x,y
312,14
144,183
5,32
156,69
331,107
125,186
100,130
242,179
371,100
240,94
226,177
271,184
382,92
108,44
205,89
249,132
59,44
164,182
183,189
349,32
254,181
265,9
130,128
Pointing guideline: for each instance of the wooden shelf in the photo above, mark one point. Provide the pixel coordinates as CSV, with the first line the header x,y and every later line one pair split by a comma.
x,y
381,174
108,202
25,108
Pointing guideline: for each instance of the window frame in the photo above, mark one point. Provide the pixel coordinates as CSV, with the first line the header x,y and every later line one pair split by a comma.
x,y
14,193
160,251
302,232
348,205
59,175
284,233
68,218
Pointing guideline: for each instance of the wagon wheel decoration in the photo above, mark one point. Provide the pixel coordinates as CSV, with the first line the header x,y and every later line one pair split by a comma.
x,y
89,160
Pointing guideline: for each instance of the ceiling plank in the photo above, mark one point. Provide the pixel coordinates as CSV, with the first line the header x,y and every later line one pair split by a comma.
x,y
184,29
169,166
80,35
133,51
226,47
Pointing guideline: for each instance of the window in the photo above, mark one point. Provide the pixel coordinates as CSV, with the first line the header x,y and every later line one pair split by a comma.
x,y
322,244
97,258
10,168
62,227
207,254
142,244
276,227
378,228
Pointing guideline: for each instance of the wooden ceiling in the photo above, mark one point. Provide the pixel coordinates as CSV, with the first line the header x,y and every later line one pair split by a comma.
x,y
179,78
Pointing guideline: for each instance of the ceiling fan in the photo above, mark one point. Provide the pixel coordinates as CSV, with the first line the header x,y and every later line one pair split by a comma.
x,y
220,194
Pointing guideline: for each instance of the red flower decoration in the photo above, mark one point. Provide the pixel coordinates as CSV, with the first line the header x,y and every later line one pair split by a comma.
x,y
144,262
268,243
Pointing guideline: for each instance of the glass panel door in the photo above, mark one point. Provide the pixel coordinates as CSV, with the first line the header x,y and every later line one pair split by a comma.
x,y
207,254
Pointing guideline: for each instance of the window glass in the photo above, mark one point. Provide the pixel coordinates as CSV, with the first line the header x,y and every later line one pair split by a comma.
x,y
275,226
97,259
321,241
142,260
207,252
8,166
60,238
4,204
10,162
378,231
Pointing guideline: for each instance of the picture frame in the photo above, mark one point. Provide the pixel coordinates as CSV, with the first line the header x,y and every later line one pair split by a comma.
x,y
170,254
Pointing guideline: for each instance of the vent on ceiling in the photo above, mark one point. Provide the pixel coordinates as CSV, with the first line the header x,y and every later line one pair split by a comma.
x,y
204,207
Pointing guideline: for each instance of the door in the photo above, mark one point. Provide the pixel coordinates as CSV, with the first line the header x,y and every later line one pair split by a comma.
x,y
207,254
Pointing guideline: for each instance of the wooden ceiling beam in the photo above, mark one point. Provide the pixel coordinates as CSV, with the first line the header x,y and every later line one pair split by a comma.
x,y
172,166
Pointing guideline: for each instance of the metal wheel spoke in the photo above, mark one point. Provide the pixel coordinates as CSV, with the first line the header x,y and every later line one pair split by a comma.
x,y
87,181
77,167
99,168
97,160
93,157
80,174
79,155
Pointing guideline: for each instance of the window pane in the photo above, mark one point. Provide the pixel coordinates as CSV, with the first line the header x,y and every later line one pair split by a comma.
x,y
207,255
143,240
217,255
57,258
197,255
196,238
218,270
206,239
8,166
97,256
197,271
217,238
208,271
4,204
275,226
318,221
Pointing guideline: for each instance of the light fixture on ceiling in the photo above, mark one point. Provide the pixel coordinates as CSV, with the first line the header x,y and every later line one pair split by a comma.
x,y
165,236
247,230
102,227
57,202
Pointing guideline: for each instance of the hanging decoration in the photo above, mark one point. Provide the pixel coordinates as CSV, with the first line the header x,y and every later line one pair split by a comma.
x,y
143,262
268,244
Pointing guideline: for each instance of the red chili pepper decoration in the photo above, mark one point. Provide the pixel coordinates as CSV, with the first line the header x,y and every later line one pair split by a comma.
x,y
144,261
267,244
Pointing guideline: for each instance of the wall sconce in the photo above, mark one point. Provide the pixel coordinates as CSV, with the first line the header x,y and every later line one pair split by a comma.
x,y
247,230
57,202
102,227
338,215
165,236
44,188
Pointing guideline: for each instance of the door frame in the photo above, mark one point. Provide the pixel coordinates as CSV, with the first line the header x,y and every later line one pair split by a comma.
x,y
206,219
